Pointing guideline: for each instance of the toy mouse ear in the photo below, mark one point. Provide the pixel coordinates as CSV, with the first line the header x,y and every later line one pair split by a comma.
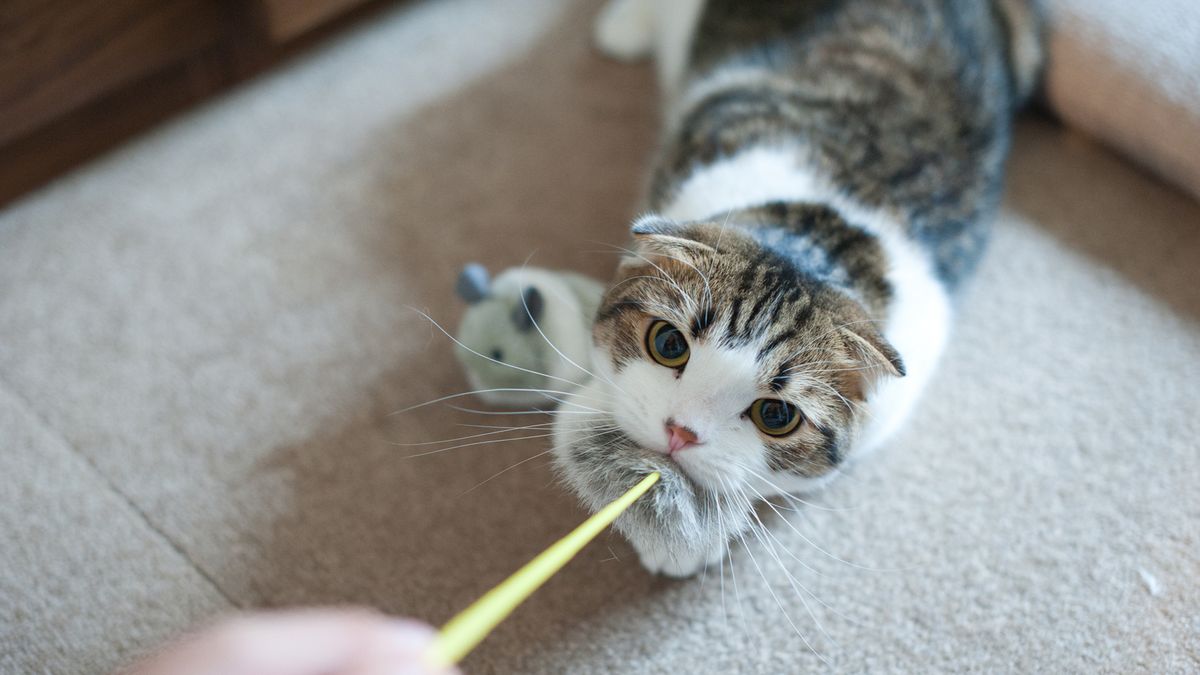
x,y
472,284
529,310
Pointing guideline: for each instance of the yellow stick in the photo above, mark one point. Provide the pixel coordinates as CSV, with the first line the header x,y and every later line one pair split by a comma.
x,y
460,635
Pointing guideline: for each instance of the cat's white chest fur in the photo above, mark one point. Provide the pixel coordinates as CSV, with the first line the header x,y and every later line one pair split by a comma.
x,y
918,319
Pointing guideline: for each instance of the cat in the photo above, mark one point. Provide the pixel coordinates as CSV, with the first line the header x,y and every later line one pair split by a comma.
x,y
824,187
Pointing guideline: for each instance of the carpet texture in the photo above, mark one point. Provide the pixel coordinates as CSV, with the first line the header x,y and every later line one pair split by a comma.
x,y
203,335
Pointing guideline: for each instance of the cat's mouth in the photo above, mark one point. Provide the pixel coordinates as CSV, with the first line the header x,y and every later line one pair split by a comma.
x,y
642,458
662,455
663,461
599,463
614,457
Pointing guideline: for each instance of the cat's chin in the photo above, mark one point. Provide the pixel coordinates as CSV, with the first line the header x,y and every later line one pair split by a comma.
x,y
677,528
600,466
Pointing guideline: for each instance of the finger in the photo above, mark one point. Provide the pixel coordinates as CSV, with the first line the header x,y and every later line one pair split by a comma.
x,y
303,642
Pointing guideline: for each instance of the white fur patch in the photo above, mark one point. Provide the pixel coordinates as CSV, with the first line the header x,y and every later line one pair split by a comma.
x,y
752,177
709,397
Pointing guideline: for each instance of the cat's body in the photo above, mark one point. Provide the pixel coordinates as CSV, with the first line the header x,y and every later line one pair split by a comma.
x,y
826,180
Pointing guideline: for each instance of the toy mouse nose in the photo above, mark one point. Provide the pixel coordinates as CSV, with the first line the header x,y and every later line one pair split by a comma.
x,y
679,436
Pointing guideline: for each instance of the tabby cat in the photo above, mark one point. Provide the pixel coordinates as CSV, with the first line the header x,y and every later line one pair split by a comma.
x,y
825,183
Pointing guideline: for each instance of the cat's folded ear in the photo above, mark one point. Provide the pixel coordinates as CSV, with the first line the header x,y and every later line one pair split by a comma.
x,y
878,358
656,237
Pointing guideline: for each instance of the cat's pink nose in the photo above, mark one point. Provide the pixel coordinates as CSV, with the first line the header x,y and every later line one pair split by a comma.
x,y
679,437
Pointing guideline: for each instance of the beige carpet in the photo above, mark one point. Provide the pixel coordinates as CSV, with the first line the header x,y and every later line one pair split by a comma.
x,y
203,334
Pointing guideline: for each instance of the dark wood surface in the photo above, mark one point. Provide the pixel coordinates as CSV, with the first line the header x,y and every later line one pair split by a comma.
x,y
288,19
78,77
60,55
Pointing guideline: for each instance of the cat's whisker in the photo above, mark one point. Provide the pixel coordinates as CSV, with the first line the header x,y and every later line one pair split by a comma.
x,y
759,533
804,564
531,411
647,277
779,603
506,470
750,507
809,344
788,495
549,426
771,549
827,554
806,367
497,430
762,528
448,397
525,305
844,369
803,365
562,401
483,356
665,310
703,276
618,438
738,595
725,538
598,398
767,532
475,443
501,426
709,498
573,405
721,234
850,405
666,274
797,505
500,429
529,459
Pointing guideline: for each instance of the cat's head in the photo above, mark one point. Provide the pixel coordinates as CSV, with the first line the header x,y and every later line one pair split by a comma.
x,y
717,358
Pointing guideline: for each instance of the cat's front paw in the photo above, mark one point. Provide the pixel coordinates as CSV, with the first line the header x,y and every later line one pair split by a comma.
x,y
625,29
680,564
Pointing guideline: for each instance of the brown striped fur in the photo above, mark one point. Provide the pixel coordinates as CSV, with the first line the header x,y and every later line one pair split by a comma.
x,y
815,345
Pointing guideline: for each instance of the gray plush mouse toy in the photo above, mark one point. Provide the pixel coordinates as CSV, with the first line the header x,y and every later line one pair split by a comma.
x,y
526,324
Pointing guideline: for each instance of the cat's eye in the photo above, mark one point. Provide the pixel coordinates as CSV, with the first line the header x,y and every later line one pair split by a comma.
x,y
666,345
774,417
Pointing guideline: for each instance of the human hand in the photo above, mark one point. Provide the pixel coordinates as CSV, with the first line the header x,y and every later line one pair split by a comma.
x,y
301,642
